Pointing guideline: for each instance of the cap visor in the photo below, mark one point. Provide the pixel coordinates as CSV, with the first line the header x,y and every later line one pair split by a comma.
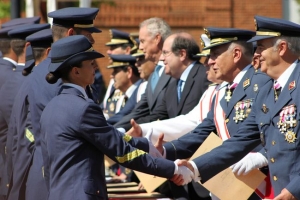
x,y
215,45
260,37
93,30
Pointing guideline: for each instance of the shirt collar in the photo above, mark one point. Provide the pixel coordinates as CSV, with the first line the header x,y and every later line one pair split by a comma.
x,y
162,69
10,60
186,72
241,74
131,89
21,64
81,89
284,77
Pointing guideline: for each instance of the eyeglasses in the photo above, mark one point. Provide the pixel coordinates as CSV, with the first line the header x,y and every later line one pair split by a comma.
x,y
166,53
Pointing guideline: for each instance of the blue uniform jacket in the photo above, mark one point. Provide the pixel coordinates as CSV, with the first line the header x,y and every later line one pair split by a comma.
x,y
130,104
77,136
261,127
8,92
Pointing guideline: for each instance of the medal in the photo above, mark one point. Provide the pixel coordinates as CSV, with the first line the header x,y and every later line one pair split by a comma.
x,y
255,88
290,136
228,95
237,114
264,108
241,116
262,138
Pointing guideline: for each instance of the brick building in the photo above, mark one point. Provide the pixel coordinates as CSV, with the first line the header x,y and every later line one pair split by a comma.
x,y
187,15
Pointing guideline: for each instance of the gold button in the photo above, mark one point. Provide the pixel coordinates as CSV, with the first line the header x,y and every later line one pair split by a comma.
x,y
275,178
7,185
14,69
273,142
261,124
272,160
98,191
227,120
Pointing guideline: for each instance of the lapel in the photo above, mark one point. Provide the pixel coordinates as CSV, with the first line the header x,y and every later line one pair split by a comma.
x,y
240,91
187,87
149,92
163,80
223,102
286,93
70,90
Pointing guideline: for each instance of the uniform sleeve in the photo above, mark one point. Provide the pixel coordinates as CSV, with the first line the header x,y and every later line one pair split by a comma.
x,y
94,128
231,151
185,146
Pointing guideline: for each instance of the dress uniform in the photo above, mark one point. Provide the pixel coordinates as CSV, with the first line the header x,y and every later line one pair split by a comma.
x,y
272,122
121,62
38,97
19,150
118,43
80,138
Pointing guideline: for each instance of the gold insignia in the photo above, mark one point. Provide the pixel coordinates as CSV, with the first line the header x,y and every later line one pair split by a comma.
x,y
127,138
127,171
292,85
227,120
207,33
29,135
246,83
255,24
290,136
255,88
111,107
130,156
264,108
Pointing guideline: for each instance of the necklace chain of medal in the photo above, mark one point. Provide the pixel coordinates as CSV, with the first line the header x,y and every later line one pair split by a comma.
x,y
287,121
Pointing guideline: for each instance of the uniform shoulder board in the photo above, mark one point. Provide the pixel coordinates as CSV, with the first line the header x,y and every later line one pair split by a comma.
x,y
212,84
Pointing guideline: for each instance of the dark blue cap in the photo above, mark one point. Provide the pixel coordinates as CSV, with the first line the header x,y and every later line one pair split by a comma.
x,y
4,32
23,31
71,50
121,60
271,27
30,62
76,18
219,36
21,21
118,37
41,38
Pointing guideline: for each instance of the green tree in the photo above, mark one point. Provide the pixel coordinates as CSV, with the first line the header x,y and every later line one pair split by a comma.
x,y
4,9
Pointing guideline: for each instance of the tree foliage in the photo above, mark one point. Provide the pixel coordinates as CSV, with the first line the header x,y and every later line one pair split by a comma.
x,y
4,9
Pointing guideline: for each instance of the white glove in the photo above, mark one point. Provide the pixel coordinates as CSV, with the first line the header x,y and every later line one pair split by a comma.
x,y
249,162
152,150
186,173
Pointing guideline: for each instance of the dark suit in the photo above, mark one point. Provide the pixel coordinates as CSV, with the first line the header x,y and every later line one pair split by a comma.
x,y
129,106
76,146
195,85
261,127
148,103
8,92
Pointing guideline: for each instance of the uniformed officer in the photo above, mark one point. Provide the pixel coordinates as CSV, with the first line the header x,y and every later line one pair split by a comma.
x,y
232,102
40,43
81,136
66,22
120,43
274,119
127,80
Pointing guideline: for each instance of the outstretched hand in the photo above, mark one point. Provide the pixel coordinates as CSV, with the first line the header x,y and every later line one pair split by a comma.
x,y
136,130
159,144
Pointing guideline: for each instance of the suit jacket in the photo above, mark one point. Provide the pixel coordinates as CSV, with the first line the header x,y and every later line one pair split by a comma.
x,y
8,92
148,103
76,146
195,85
131,102
282,150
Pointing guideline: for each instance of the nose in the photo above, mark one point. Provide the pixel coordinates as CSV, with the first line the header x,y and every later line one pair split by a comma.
x,y
210,62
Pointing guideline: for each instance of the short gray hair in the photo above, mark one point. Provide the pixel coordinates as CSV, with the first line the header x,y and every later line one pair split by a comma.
x,y
293,43
155,26
247,47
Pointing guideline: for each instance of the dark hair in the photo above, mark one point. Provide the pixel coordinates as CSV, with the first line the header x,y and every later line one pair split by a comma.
x,y
135,70
189,44
52,77
38,52
18,46
58,32
5,45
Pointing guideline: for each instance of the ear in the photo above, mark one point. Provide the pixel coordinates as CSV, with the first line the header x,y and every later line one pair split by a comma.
x,y
48,50
157,39
27,44
282,47
70,32
182,54
129,72
127,50
236,54
75,71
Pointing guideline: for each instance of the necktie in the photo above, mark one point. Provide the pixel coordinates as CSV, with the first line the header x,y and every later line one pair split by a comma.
x,y
229,91
179,84
155,77
277,90
124,100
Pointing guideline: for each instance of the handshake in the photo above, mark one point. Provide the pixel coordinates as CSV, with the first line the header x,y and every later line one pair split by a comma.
x,y
184,173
